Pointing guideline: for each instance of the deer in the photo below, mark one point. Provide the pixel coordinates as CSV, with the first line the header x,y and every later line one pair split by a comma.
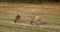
x,y
17,18
35,19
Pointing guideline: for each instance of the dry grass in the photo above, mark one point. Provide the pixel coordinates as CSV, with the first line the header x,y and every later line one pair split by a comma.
x,y
50,15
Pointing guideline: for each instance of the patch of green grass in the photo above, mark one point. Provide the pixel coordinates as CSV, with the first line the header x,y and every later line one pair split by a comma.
x,y
49,19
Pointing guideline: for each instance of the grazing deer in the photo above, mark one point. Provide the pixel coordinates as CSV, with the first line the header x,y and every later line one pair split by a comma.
x,y
35,19
17,19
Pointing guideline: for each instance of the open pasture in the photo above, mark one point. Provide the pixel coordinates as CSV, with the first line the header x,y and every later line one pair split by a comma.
x,y
50,14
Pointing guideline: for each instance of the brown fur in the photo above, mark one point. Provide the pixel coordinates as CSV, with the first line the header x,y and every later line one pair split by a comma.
x,y
17,19
35,19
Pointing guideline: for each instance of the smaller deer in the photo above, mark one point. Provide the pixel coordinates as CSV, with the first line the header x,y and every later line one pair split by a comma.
x,y
17,18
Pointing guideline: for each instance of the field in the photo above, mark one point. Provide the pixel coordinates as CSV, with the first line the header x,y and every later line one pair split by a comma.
x,y
50,14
